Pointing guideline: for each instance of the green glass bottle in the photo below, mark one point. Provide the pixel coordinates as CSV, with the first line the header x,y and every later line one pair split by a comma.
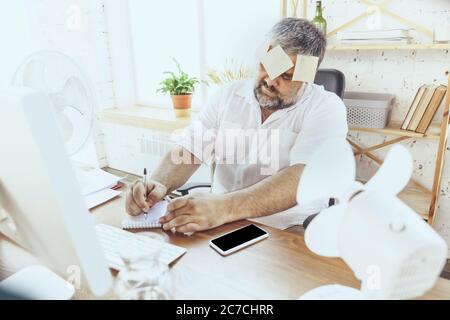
x,y
319,21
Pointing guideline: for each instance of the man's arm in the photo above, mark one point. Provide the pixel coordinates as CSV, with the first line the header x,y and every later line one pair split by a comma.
x,y
268,196
201,212
170,174
173,174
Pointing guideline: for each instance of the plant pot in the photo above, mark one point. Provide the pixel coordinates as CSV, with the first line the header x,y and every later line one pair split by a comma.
x,y
182,104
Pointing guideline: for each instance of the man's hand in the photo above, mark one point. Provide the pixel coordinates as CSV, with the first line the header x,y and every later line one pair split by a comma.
x,y
196,213
135,198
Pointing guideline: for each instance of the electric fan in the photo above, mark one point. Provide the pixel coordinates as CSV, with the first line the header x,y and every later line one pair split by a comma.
x,y
69,90
394,253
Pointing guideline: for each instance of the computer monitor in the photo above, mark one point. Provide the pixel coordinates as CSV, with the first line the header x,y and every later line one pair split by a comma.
x,y
41,206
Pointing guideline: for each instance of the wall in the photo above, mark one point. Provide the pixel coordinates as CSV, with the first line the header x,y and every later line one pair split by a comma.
x,y
400,73
19,43
131,149
74,27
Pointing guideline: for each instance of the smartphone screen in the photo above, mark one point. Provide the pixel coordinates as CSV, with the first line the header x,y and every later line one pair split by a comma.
x,y
238,237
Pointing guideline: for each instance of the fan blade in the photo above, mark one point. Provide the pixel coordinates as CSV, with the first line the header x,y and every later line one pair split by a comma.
x,y
329,173
394,173
65,126
32,75
322,234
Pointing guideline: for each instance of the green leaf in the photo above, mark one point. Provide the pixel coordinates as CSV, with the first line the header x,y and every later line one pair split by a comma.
x,y
178,84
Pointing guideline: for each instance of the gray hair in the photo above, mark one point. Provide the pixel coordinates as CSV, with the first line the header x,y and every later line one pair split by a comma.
x,y
298,36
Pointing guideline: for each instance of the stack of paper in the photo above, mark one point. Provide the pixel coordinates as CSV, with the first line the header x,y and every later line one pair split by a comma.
x,y
382,36
96,186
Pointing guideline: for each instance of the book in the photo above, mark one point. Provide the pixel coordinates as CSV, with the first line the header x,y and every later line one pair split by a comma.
x,y
97,198
97,185
93,180
376,41
375,37
413,107
432,108
422,107
374,34
148,220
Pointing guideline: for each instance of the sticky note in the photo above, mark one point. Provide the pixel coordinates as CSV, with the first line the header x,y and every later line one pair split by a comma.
x,y
305,68
276,62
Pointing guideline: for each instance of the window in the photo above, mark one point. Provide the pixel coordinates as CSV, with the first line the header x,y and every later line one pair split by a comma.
x,y
200,34
16,33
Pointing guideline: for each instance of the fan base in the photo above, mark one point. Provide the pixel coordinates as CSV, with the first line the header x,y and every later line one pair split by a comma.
x,y
333,292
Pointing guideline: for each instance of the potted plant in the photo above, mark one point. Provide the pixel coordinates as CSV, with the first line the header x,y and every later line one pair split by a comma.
x,y
180,87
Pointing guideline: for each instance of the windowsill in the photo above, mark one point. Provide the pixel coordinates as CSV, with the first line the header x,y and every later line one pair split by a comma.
x,y
155,118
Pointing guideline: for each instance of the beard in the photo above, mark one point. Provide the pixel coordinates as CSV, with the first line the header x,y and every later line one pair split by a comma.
x,y
272,103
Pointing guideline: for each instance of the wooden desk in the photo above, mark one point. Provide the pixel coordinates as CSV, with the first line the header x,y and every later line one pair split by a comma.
x,y
280,267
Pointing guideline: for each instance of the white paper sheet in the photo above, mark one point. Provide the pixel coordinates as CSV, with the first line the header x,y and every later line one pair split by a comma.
x,y
95,180
99,197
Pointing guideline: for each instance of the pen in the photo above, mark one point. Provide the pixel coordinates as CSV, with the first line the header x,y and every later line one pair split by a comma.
x,y
144,181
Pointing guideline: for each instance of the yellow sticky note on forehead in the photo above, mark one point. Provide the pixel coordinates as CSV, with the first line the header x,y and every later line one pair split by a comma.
x,y
276,62
305,68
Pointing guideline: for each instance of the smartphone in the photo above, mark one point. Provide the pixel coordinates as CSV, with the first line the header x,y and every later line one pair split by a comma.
x,y
235,240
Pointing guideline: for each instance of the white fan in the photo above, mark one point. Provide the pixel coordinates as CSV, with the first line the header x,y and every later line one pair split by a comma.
x,y
69,90
323,179
389,247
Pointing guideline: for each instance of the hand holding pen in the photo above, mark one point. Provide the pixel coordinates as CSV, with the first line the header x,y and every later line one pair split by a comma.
x,y
143,194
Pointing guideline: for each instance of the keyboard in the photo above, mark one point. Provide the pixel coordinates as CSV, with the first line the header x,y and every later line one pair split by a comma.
x,y
110,238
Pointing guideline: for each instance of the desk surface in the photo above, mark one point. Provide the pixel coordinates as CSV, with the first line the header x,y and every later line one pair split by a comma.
x,y
280,267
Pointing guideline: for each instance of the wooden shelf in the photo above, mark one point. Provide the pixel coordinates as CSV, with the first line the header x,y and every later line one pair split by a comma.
x,y
161,119
431,46
417,200
393,128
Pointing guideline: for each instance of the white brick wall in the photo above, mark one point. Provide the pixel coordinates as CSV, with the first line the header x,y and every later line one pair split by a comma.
x,y
400,73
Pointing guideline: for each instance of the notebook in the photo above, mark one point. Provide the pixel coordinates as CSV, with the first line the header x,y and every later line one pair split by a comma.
x,y
150,221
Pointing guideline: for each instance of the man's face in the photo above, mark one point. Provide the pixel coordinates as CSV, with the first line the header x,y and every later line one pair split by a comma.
x,y
278,93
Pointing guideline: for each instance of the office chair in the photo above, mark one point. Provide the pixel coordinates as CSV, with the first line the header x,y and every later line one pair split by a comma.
x,y
332,80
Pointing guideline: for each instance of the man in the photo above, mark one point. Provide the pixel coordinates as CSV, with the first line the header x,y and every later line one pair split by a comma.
x,y
301,114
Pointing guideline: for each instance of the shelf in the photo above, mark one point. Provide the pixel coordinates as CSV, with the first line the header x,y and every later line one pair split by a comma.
x,y
394,129
161,119
431,46
416,200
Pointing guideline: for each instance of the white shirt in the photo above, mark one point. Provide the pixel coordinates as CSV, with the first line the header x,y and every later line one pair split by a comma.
x,y
287,137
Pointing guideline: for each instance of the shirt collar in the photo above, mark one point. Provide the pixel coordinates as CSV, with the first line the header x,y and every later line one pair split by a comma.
x,y
246,90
